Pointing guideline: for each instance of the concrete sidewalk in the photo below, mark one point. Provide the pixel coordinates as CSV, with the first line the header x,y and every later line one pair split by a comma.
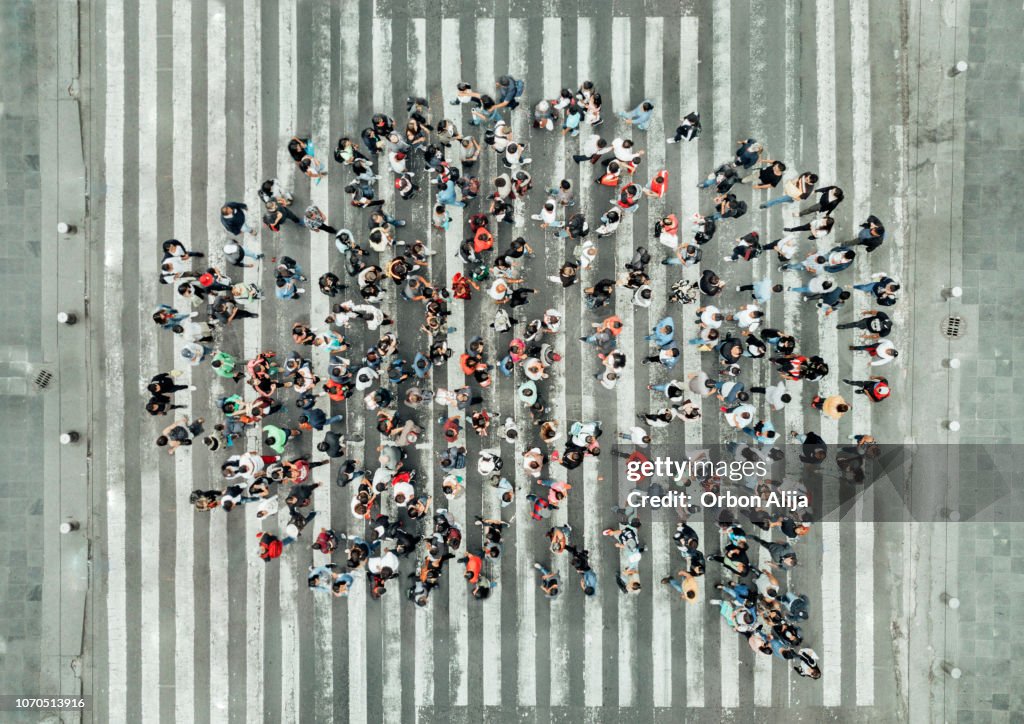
x,y
43,635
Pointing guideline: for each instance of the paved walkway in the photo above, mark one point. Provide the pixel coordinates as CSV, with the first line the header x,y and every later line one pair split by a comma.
x,y
21,425
991,572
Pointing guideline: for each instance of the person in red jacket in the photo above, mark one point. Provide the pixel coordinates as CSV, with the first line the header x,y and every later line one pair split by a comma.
x,y
875,388
271,546
659,184
474,564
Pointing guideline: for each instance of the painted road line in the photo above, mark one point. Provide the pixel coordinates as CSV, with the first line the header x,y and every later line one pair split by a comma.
x,y
723,145
391,628
423,685
758,123
287,585
255,577
695,616
661,531
593,665
113,304
490,508
559,626
148,361
625,402
319,264
216,61
831,680
458,672
860,71
184,514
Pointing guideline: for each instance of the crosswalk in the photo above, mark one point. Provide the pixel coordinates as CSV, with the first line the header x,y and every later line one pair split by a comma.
x,y
194,627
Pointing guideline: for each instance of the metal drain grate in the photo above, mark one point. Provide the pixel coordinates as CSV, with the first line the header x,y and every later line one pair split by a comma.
x,y
954,327
43,379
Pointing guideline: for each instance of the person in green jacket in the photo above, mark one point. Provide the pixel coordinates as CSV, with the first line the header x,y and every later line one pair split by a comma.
x,y
224,365
276,438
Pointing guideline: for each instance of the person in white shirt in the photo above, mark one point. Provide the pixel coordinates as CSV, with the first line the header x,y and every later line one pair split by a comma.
x,y
609,223
502,136
710,317
636,436
488,462
700,384
775,395
397,161
267,508
786,247
548,216
507,491
592,148
748,317
514,155
673,390
643,296
583,432
503,187
403,493
608,378
740,416
818,228
814,285
883,352
623,151
588,254
533,462
384,565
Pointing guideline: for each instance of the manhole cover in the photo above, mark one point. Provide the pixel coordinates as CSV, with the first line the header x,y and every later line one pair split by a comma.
x,y
43,379
954,327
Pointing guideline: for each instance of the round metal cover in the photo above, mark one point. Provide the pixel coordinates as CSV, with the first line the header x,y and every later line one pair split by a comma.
x,y
954,327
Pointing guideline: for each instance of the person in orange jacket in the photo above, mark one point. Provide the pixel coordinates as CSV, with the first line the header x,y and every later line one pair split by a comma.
x,y
658,185
474,564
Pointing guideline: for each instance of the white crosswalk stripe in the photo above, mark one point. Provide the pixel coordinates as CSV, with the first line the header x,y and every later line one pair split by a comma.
x,y
184,561
461,657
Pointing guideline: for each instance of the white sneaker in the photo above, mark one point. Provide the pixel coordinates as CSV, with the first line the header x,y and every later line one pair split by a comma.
x,y
192,388
175,373
670,140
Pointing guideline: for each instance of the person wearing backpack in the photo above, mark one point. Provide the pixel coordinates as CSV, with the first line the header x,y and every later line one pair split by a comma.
x,y
509,92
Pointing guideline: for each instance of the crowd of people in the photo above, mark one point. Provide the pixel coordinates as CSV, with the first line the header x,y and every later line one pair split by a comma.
x,y
430,156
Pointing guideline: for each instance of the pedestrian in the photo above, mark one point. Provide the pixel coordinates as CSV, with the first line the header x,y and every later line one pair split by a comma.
x,y
762,289
689,128
180,433
225,365
875,388
685,584
796,189
829,197
875,324
883,287
834,405
549,581
232,217
883,352
640,116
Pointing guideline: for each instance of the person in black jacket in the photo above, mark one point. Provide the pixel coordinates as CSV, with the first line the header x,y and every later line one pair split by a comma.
x,y
829,197
232,216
